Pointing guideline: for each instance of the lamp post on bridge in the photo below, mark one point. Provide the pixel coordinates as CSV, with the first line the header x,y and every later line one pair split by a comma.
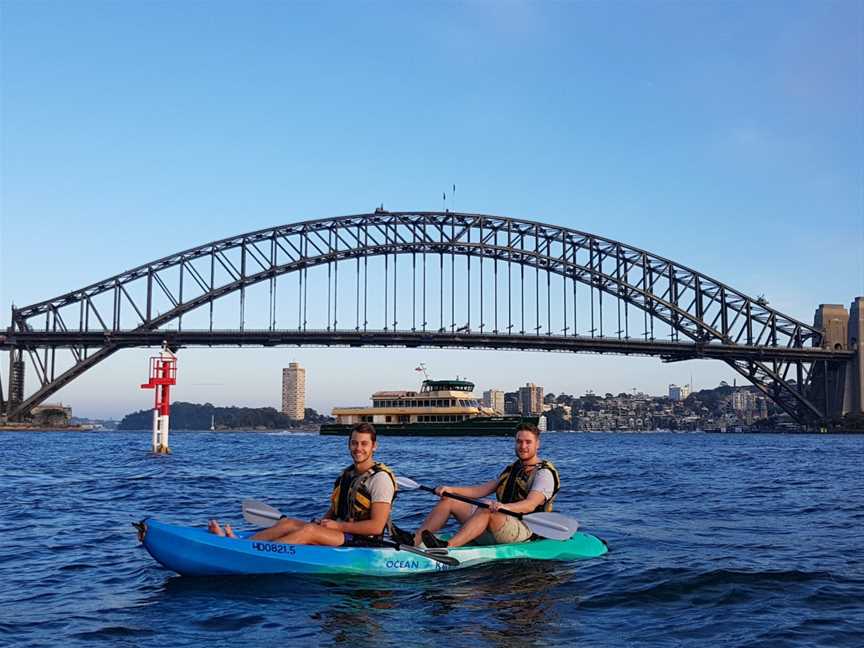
x,y
163,374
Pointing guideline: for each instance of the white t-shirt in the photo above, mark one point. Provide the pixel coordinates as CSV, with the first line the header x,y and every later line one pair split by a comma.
x,y
381,487
544,482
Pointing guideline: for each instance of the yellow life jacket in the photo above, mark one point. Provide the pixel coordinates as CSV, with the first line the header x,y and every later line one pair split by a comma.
x,y
351,500
514,484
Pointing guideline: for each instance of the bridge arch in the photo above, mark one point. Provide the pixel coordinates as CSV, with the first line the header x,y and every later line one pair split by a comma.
x,y
774,351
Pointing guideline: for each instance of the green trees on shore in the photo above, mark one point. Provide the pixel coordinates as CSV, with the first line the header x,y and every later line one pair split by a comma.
x,y
194,416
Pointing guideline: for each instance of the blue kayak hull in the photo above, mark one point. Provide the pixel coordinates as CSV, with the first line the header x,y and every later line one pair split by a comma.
x,y
196,552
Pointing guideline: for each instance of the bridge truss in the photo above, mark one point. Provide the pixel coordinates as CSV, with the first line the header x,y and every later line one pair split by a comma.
x,y
422,279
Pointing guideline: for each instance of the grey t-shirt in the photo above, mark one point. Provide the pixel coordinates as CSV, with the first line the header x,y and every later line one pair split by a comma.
x,y
544,482
381,488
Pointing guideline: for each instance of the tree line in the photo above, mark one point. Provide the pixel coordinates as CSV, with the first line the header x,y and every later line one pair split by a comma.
x,y
195,416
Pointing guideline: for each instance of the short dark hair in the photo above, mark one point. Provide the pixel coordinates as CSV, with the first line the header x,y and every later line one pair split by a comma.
x,y
366,428
530,427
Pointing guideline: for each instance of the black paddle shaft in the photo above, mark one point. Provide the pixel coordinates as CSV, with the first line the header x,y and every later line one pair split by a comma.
x,y
469,500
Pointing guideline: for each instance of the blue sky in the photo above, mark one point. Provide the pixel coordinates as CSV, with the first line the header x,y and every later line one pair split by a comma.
x,y
726,136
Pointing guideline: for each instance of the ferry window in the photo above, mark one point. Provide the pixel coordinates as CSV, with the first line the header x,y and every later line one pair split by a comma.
x,y
387,419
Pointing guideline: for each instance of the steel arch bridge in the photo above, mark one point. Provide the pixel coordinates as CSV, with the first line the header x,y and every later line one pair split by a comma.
x,y
518,284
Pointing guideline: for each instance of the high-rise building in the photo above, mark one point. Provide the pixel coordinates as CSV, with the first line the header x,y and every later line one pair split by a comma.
x,y
511,403
743,400
294,391
494,398
530,400
678,393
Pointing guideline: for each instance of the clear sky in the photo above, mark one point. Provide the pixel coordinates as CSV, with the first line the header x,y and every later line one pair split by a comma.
x,y
726,136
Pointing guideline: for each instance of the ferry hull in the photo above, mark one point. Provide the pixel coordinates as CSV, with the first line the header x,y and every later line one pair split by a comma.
x,y
480,426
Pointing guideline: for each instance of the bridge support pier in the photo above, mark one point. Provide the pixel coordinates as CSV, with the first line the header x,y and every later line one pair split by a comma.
x,y
855,373
840,387
16,382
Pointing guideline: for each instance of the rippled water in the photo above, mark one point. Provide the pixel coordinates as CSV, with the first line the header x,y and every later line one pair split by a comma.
x,y
715,540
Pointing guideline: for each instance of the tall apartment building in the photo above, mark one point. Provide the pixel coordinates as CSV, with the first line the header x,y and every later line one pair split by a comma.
x,y
531,400
494,398
294,391
743,401
677,393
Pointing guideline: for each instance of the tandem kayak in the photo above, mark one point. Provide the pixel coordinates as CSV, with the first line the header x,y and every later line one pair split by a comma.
x,y
197,552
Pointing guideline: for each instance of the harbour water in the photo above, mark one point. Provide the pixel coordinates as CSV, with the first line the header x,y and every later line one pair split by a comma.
x,y
715,540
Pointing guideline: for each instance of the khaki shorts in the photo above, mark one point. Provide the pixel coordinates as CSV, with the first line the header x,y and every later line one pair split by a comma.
x,y
512,531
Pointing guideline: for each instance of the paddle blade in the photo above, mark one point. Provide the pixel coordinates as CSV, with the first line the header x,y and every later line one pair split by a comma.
x,y
551,525
259,513
405,483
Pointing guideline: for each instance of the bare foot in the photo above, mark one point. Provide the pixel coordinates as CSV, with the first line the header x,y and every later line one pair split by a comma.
x,y
229,532
213,527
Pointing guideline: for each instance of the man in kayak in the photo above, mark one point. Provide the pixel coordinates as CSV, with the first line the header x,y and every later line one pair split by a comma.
x,y
528,485
359,505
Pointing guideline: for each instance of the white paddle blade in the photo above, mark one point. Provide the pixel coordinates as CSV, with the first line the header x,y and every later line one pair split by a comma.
x,y
551,525
406,483
259,513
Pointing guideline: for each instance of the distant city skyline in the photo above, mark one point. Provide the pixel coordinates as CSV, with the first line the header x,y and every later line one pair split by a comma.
x,y
725,137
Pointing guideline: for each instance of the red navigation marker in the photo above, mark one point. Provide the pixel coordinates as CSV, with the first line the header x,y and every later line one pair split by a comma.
x,y
163,374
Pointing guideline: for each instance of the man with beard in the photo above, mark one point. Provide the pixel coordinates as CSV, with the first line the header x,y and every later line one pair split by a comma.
x,y
528,485
359,505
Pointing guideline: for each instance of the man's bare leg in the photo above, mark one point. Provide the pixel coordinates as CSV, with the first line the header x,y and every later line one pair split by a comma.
x,y
281,528
439,515
314,534
473,527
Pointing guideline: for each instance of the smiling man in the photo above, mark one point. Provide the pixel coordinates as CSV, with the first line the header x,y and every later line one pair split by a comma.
x,y
528,485
359,505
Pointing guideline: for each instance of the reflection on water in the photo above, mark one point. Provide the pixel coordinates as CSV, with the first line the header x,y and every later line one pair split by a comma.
x,y
491,603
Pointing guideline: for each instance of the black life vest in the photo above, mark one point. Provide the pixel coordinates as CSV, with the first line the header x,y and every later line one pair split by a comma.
x,y
514,484
351,500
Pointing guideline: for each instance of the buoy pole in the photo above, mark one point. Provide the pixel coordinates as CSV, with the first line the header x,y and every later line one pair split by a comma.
x,y
163,374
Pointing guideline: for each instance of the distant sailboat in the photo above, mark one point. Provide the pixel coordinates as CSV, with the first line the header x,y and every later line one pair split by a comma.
x,y
212,423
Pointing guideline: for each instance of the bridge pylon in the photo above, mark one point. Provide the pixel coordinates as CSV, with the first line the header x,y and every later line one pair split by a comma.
x,y
839,386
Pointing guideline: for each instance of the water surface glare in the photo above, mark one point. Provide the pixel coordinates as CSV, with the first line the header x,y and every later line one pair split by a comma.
x,y
715,540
